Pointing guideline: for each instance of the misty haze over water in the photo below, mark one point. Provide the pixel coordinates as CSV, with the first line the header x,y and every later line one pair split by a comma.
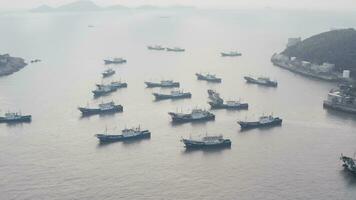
x,y
56,156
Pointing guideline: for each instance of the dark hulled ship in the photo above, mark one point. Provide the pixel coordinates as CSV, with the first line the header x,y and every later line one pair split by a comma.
x,y
195,115
176,94
15,117
265,81
103,108
207,142
126,134
164,83
264,121
208,77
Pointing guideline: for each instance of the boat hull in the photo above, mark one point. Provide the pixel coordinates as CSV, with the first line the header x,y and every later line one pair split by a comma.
x,y
201,145
201,77
94,111
254,81
338,107
251,125
167,96
152,85
102,93
243,106
108,62
230,55
116,138
26,118
188,118
175,50
107,75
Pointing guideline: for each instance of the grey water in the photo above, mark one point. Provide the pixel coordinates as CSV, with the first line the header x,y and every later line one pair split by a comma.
x,y
57,156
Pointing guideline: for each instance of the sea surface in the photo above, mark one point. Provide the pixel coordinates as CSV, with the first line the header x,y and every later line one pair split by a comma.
x,y
56,156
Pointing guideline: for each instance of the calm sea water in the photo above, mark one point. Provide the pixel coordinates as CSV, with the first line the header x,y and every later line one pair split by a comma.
x,y
57,156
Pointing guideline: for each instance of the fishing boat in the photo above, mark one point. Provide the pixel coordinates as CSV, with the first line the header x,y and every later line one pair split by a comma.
x,y
115,61
230,54
265,81
163,83
207,142
13,117
126,134
175,94
263,121
108,72
195,115
208,77
103,108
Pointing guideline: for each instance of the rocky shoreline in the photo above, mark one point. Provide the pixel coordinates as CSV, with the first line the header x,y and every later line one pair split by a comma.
x,y
9,65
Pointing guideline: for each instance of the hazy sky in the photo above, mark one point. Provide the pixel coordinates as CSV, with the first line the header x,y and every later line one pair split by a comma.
x,y
290,4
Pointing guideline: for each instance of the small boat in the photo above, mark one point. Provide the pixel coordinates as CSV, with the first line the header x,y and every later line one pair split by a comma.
x,y
103,90
264,121
126,134
349,163
208,77
175,49
216,102
163,83
115,61
175,94
35,61
156,47
108,72
230,54
230,105
195,115
265,81
109,107
207,142
13,117
113,84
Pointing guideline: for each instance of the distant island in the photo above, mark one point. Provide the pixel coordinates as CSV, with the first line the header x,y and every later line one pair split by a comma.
x,y
330,55
87,5
9,65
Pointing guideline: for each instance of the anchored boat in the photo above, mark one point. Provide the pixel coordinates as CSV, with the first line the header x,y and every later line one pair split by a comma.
x,y
195,115
207,142
230,54
113,84
103,90
156,47
264,121
115,61
109,107
261,81
175,94
216,102
175,49
208,77
163,83
108,72
12,117
232,105
126,134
